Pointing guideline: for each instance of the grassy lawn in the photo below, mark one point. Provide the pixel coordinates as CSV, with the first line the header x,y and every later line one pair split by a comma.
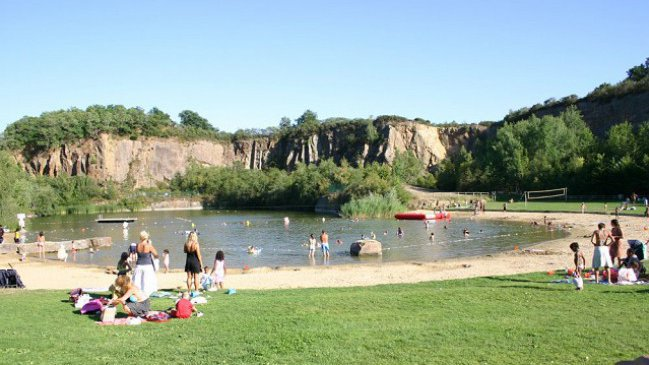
x,y
550,206
499,320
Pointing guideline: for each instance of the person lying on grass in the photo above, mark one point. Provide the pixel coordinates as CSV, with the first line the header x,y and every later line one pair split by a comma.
x,y
133,300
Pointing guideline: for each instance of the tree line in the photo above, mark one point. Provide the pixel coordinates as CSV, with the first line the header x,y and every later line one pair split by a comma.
x,y
549,152
46,195
300,188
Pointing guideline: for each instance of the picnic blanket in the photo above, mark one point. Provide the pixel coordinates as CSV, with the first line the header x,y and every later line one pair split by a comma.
x,y
123,322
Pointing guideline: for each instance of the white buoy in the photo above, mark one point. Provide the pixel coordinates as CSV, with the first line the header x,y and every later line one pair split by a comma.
x,y
286,221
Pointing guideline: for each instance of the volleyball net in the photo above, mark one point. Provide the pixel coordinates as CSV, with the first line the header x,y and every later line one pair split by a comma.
x,y
546,194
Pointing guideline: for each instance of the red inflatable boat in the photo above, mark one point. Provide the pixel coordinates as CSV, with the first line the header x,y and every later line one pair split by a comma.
x,y
420,216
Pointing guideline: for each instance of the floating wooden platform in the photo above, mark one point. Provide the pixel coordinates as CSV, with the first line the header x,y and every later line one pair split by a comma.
x,y
115,220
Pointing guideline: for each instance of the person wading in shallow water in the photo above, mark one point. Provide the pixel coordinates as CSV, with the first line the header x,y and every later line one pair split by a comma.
x,y
324,241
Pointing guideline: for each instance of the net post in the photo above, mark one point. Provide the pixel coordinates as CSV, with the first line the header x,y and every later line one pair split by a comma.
x,y
525,197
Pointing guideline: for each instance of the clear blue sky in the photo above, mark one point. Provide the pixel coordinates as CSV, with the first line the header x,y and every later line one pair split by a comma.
x,y
245,64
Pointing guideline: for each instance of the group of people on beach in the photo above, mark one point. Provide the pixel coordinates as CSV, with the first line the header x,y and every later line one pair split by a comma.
x,y
140,282
609,253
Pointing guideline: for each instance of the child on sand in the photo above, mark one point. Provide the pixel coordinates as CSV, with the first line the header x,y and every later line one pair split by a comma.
x,y
219,269
580,260
165,260
40,242
206,279
123,267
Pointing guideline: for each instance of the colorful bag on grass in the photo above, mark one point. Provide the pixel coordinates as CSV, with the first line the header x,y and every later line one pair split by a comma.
x,y
92,306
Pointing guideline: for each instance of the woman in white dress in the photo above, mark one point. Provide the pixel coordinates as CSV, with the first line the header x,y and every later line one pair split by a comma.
x,y
144,276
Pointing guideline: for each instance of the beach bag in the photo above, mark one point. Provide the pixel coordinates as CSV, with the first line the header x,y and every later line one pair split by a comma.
x,y
108,314
578,282
92,306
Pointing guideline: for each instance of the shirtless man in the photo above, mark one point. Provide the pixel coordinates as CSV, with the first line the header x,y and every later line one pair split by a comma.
x,y
601,256
324,241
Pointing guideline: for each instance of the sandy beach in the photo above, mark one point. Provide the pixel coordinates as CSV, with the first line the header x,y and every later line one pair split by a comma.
x,y
546,256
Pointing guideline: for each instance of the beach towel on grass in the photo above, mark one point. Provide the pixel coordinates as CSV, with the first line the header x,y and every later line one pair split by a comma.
x,y
153,316
120,322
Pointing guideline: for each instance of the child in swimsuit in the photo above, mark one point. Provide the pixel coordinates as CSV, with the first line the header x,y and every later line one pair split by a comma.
x,y
580,260
165,260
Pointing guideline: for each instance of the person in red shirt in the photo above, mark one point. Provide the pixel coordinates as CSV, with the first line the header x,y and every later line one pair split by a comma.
x,y
184,308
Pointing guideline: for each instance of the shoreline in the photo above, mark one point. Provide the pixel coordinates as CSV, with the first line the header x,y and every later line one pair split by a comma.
x,y
543,256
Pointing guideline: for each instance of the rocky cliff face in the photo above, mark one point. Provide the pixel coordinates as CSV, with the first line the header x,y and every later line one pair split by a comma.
x,y
600,115
149,161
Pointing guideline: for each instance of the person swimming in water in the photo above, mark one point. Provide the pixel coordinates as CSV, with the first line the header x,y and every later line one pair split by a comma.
x,y
399,232
465,232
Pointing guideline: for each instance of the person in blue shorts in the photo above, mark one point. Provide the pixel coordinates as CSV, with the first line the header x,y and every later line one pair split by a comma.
x,y
324,241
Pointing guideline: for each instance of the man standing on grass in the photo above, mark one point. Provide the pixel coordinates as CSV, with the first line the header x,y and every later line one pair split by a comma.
x,y
324,241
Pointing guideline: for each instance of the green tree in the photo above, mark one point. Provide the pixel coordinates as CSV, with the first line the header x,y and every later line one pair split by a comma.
x,y
637,73
621,141
406,166
307,124
285,123
192,119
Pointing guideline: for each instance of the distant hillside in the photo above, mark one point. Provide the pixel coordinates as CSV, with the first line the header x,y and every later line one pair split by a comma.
x,y
605,106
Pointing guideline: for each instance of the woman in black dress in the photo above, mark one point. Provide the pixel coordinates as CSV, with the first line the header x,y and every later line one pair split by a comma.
x,y
194,261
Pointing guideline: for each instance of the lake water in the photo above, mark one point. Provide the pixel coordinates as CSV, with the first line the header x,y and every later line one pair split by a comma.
x,y
283,245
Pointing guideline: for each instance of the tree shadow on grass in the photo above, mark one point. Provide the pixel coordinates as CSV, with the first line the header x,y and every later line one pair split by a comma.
x,y
643,291
513,279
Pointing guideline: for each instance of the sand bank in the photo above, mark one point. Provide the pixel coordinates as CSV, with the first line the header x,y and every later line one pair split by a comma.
x,y
55,275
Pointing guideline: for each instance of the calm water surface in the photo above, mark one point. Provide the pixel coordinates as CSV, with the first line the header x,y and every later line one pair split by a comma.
x,y
283,246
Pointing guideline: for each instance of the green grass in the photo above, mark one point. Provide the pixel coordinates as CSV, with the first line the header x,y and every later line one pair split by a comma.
x,y
498,320
575,207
